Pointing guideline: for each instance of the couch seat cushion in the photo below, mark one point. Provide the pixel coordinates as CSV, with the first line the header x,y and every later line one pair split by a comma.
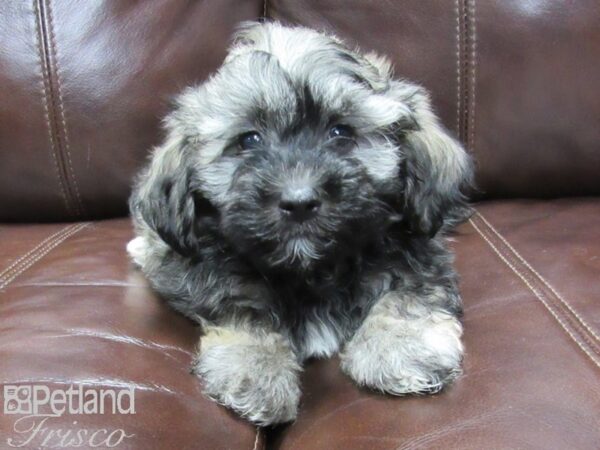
x,y
75,312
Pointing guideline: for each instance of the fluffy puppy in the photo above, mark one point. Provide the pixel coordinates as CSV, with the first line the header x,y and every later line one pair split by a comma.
x,y
296,209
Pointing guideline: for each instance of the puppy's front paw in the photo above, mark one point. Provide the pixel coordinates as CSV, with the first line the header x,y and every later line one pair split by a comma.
x,y
138,250
255,376
405,356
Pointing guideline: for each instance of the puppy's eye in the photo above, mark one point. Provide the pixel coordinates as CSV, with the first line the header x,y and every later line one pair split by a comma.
x,y
341,131
250,140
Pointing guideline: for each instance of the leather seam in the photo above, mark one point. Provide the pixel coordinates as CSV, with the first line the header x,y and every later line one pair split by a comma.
x,y
473,67
32,256
19,260
576,327
9,275
538,294
464,114
45,103
466,71
265,9
61,109
53,99
457,10
565,303
40,253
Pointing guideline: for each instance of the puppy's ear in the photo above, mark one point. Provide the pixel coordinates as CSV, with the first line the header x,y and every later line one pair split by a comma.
x,y
435,171
166,197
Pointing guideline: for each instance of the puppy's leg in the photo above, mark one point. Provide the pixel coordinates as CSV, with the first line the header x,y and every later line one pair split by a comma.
x,y
254,373
405,345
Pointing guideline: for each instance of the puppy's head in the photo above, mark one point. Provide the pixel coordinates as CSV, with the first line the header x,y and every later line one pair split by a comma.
x,y
298,149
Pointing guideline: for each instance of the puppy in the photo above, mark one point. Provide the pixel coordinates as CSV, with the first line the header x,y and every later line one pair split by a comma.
x,y
297,209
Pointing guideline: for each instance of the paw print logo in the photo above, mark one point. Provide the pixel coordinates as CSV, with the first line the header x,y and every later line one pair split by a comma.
x,y
17,399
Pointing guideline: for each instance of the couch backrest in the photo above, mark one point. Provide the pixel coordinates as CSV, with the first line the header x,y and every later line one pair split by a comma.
x,y
83,87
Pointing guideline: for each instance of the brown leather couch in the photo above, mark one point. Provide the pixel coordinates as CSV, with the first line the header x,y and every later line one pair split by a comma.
x,y
83,86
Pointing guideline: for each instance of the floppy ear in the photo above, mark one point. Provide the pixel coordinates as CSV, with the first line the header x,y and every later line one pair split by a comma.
x,y
167,199
435,171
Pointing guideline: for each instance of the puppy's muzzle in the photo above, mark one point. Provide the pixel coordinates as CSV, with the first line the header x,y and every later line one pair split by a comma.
x,y
299,202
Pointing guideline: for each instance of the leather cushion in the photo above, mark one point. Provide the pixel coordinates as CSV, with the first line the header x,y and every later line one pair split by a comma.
x,y
74,312
83,89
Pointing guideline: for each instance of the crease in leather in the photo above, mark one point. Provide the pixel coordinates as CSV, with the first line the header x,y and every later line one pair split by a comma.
x,y
54,108
477,421
150,345
34,255
571,322
326,417
112,383
103,284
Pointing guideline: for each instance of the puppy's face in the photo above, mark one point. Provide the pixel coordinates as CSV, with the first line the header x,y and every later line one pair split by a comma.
x,y
305,188
302,148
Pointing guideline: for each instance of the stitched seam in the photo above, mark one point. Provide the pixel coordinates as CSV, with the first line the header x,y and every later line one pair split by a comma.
x,y
26,262
535,292
41,253
464,74
559,310
458,66
45,103
52,107
466,62
473,56
9,274
535,272
60,108
34,249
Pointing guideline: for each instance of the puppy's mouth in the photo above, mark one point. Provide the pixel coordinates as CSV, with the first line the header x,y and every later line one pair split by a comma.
x,y
297,244
302,250
295,230
319,229
301,237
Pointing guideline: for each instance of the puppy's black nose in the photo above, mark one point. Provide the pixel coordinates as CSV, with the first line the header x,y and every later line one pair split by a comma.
x,y
300,203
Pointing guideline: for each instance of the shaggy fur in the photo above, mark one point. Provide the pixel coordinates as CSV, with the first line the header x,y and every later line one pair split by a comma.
x,y
296,209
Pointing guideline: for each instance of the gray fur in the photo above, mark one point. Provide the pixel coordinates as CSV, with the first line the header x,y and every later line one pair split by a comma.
x,y
369,274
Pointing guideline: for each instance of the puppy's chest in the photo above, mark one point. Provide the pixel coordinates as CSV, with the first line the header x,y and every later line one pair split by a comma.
x,y
320,320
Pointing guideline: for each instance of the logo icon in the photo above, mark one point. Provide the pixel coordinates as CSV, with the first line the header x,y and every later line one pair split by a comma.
x,y
17,399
